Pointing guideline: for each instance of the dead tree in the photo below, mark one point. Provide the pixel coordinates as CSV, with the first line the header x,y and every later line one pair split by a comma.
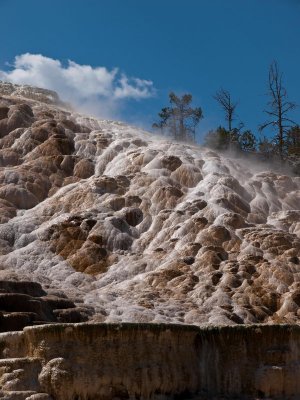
x,y
223,97
278,108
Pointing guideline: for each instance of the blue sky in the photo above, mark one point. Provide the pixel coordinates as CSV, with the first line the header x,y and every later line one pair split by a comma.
x,y
195,46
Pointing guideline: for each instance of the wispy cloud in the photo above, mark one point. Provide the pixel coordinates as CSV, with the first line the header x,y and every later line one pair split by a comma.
x,y
96,90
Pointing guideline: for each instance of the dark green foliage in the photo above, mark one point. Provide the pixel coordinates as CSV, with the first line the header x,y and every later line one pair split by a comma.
x,y
218,139
180,119
247,141
222,139
266,148
293,141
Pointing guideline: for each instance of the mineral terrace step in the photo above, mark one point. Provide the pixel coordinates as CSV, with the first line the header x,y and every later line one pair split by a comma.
x,y
19,374
34,323
18,395
20,362
40,396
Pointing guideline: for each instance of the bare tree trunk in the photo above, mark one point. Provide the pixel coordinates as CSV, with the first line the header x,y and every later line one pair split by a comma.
x,y
278,108
223,97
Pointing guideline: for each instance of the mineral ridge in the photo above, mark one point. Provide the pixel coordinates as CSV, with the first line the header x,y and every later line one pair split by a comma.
x,y
105,223
141,228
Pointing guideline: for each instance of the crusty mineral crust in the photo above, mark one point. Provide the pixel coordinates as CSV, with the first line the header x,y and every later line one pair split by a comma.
x,y
26,303
144,361
29,92
141,228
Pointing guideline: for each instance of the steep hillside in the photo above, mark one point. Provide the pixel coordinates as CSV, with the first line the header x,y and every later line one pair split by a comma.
x,y
141,228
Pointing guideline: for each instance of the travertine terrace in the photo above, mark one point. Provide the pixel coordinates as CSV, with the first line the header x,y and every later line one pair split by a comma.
x,y
140,228
150,361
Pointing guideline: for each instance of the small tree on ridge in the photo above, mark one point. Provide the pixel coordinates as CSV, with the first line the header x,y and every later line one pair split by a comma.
x,y
278,109
180,119
223,97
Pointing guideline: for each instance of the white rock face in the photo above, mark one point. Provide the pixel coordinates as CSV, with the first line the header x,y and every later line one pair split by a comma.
x,y
142,228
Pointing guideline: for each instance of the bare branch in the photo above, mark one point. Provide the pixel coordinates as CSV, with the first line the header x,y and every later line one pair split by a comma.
x,y
263,126
279,107
223,97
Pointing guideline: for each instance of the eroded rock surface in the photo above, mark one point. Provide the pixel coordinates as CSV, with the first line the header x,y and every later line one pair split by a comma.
x,y
150,361
141,228
27,303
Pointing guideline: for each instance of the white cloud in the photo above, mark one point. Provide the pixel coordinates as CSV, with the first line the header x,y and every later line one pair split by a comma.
x,y
96,90
138,88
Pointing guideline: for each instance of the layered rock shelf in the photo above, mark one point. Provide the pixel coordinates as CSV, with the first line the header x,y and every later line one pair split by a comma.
x,y
150,361
25,303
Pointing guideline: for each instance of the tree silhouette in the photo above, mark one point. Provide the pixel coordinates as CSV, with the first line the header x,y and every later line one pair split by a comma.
x,y
237,140
278,108
223,97
218,139
293,141
247,141
180,119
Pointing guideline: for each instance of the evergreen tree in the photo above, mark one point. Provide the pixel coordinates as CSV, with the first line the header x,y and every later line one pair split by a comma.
x,y
218,139
266,148
293,141
247,141
222,139
180,119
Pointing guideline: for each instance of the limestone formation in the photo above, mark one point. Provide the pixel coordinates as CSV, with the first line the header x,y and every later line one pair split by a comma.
x,y
138,227
150,361
26,303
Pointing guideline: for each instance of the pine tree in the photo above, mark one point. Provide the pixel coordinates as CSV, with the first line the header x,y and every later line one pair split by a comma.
x,y
218,139
247,141
265,148
293,141
180,119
